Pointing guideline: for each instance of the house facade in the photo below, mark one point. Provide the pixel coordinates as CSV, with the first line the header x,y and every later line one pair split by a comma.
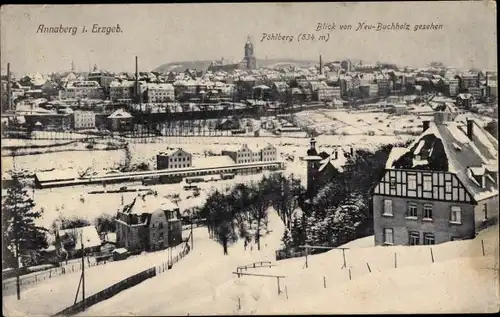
x,y
84,120
148,223
443,187
246,155
175,159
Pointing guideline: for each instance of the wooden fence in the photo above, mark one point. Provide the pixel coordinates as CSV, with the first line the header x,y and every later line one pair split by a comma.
x,y
108,292
124,284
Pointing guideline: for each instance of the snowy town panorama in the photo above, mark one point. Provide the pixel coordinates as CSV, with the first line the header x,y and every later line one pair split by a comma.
x,y
260,186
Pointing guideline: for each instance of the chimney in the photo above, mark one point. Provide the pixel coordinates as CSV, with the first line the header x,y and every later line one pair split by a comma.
x,y
320,65
137,92
8,88
313,144
470,128
426,124
351,150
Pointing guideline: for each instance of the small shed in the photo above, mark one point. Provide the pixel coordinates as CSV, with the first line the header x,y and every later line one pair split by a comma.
x,y
120,254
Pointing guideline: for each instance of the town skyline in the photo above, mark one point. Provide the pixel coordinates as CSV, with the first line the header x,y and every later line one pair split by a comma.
x,y
466,40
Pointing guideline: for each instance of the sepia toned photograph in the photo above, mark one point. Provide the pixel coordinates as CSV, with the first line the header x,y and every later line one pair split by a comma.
x,y
249,159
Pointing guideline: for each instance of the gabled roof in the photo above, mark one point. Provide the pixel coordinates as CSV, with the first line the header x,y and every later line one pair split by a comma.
x,y
149,205
90,236
461,152
120,114
174,152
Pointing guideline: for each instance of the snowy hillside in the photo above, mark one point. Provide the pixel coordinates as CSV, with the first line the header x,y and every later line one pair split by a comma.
x,y
461,279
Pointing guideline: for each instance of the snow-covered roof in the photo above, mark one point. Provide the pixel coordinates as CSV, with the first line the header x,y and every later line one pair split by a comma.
x,y
462,153
149,205
90,236
120,114
67,174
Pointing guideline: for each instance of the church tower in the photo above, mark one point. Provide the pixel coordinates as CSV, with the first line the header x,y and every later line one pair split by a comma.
x,y
251,61
313,161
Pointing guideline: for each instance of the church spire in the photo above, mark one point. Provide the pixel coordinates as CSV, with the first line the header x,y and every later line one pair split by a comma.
x,y
72,66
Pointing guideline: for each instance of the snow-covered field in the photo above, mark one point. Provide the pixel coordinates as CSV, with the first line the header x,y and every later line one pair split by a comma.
x,y
67,200
363,122
53,295
460,280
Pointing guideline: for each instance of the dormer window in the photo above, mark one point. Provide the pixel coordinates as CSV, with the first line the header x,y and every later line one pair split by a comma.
x,y
477,175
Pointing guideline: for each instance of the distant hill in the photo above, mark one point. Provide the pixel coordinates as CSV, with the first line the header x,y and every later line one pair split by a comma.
x,y
203,65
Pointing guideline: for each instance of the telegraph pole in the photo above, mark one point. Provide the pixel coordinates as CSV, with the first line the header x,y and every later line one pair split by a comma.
x,y
192,239
83,272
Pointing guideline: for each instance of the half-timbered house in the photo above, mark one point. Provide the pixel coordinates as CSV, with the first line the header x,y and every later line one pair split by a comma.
x,y
443,187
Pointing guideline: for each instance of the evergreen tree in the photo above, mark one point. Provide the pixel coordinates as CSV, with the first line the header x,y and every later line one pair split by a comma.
x,y
20,233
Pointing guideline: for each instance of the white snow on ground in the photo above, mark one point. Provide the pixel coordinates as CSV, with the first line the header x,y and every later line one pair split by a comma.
x,y
55,294
460,280
192,286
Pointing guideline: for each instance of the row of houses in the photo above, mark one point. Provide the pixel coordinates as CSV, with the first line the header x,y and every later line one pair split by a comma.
x,y
181,159
57,120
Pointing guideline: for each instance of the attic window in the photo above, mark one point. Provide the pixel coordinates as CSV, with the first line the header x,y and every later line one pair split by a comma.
x,y
457,147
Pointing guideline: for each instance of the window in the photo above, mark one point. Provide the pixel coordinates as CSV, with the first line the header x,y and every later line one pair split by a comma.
x,y
412,181
414,238
455,216
387,208
485,211
428,238
448,187
427,183
160,225
388,236
392,183
412,210
427,211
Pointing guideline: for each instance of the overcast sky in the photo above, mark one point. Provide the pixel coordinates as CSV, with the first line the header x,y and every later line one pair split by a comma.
x,y
178,32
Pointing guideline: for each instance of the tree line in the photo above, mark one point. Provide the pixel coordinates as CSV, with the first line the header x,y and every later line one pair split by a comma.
x,y
241,212
340,209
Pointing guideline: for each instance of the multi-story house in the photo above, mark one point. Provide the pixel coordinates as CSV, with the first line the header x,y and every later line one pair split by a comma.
x,y
384,85
175,159
103,78
242,155
327,93
123,90
443,187
148,223
268,154
157,93
83,120
454,87
476,92
469,80
81,89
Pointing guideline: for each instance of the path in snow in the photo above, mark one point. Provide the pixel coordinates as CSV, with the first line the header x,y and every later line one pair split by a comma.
x,y
192,286
54,295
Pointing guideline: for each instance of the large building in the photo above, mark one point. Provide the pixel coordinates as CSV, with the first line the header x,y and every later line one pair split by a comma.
x,y
148,223
246,155
158,93
83,89
103,78
121,90
249,61
175,159
327,93
83,120
443,187
454,87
